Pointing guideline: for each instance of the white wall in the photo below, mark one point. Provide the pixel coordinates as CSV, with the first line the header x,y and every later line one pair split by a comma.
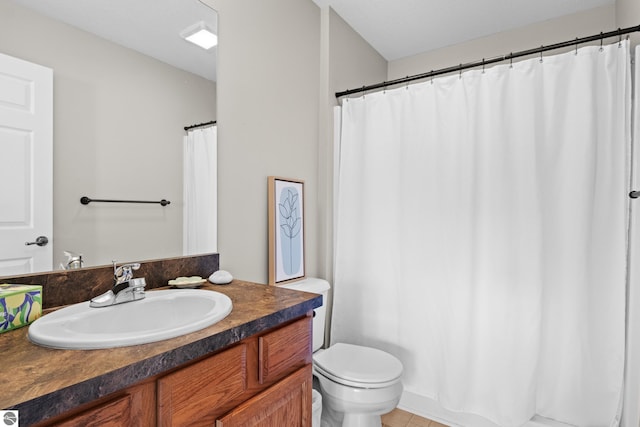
x,y
118,128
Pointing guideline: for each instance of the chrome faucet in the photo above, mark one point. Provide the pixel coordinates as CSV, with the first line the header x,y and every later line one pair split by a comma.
x,y
125,287
124,273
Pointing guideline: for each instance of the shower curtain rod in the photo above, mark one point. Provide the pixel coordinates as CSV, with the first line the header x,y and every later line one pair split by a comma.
x,y
619,33
212,122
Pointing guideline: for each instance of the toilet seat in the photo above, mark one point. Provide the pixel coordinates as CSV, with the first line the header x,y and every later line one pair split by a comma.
x,y
358,366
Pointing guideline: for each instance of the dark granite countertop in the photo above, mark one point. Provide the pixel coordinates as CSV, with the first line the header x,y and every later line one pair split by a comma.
x,y
42,382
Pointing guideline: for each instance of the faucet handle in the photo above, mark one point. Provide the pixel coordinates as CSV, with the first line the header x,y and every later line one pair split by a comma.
x,y
124,273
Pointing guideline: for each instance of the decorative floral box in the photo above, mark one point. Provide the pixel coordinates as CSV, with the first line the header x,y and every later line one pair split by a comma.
x,y
19,305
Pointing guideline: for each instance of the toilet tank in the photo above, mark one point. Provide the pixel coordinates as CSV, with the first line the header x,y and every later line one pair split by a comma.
x,y
316,286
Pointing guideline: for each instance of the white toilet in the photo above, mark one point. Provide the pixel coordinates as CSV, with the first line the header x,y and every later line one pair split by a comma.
x,y
358,384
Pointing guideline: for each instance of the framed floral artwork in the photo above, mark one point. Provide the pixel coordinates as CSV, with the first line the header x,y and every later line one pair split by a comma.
x,y
286,230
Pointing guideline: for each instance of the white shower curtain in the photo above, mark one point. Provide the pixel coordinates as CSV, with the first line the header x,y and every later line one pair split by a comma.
x,y
200,214
480,236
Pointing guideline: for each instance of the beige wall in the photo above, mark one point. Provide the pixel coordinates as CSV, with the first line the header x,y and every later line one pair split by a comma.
x,y
353,62
628,15
544,33
268,74
279,63
118,127
349,61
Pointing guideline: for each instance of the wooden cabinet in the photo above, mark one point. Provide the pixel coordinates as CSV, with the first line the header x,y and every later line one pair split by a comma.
x,y
134,406
287,403
264,380
205,391
195,395
284,350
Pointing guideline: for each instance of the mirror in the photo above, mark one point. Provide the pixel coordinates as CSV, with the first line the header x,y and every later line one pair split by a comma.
x,y
118,116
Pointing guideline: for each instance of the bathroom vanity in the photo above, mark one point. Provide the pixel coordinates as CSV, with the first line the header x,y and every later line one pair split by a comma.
x,y
253,365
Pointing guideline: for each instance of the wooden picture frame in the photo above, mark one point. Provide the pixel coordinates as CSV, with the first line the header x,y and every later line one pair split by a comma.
x,y
286,230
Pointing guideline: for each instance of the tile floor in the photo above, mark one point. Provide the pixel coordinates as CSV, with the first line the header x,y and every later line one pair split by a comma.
x,y
400,418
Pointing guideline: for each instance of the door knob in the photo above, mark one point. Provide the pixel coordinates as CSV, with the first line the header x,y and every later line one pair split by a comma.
x,y
40,241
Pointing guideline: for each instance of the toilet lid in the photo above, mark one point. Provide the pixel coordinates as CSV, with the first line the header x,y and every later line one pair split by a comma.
x,y
348,363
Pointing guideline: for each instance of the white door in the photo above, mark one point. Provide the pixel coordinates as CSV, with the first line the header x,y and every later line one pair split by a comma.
x,y
26,166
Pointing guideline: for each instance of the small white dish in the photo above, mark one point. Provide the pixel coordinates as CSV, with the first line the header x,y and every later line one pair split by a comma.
x,y
221,277
187,282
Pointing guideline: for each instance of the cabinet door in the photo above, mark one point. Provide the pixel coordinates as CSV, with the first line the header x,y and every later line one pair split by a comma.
x,y
285,404
197,394
136,407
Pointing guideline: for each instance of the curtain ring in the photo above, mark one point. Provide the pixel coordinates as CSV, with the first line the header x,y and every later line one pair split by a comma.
x,y
364,92
431,76
482,65
511,60
407,86
541,47
601,40
460,72
384,88
619,38
576,46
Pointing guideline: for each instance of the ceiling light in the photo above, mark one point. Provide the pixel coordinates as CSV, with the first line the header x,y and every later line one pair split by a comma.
x,y
201,35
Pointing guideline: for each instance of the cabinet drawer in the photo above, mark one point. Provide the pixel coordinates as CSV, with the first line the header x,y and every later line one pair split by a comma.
x,y
201,389
284,350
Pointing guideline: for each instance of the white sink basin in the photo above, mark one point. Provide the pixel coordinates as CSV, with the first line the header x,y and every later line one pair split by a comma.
x,y
160,315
